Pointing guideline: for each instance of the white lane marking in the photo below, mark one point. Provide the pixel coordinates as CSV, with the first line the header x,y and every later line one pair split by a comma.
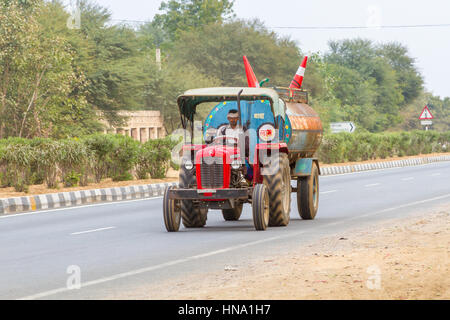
x,y
372,185
74,208
436,174
212,253
325,192
90,231
408,179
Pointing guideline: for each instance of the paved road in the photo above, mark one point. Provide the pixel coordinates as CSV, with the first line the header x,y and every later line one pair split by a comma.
x,y
119,246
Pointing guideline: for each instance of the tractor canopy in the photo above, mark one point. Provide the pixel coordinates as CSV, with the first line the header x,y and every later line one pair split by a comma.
x,y
261,110
189,101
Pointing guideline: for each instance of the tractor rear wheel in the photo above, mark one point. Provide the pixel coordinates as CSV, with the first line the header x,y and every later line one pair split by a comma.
x,y
172,212
279,187
308,194
233,214
192,216
260,207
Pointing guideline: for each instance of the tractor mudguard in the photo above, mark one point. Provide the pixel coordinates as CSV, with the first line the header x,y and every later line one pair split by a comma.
x,y
261,151
303,167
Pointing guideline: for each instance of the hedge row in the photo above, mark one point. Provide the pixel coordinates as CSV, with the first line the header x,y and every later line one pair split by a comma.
x,y
75,162
343,147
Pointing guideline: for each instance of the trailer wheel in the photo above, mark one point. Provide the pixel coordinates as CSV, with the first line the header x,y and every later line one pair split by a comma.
x,y
172,212
308,194
192,216
260,207
279,187
233,214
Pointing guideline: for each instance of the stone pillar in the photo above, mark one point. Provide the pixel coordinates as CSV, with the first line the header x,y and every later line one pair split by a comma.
x,y
135,134
144,134
153,133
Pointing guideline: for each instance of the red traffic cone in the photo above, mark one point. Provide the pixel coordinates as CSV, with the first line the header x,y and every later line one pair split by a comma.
x,y
251,78
298,79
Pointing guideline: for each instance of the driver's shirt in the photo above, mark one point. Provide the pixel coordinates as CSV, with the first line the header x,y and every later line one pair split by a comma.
x,y
230,132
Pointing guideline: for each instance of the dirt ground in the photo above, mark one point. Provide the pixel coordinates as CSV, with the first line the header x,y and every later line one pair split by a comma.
x,y
395,260
172,176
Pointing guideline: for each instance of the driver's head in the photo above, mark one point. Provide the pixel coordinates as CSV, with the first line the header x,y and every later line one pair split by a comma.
x,y
233,117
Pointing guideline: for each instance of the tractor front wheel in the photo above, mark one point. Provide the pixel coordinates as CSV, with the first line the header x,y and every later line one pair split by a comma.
x,y
233,214
192,216
260,207
172,212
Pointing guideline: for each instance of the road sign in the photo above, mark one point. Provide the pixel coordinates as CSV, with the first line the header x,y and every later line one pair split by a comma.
x,y
426,122
426,114
337,127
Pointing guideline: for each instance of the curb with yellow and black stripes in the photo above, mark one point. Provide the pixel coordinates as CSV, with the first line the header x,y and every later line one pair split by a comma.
x,y
333,170
82,197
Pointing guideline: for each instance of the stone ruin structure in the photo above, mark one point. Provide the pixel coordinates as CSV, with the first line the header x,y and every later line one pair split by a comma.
x,y
142,125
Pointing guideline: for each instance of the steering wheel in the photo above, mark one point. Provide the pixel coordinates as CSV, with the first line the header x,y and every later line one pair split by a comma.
x,y
225,139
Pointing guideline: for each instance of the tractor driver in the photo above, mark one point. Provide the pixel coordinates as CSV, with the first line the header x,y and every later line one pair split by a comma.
x,y
236,131
232,129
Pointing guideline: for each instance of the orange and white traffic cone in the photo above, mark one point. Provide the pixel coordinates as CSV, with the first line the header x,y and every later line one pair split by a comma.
x,y
298,79
251,78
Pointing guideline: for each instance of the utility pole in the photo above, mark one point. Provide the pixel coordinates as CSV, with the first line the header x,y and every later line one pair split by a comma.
x,y
158,58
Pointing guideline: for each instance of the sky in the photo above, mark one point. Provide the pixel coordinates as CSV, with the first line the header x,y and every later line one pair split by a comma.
x,y
429,46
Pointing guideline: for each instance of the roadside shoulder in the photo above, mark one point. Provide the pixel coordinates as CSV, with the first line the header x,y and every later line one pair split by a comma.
x,y
396,259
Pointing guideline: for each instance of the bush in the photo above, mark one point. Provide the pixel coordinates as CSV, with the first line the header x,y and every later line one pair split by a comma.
x,y
48,156
3,165
343,147
72,179
101,147
124,157
18,157
159,154
75,162
143,161
154,158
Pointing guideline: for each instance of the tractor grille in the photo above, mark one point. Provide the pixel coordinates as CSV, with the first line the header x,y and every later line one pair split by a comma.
x,y
212,173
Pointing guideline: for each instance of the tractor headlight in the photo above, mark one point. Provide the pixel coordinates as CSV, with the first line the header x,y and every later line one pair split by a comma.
x,y
188,165
267,132
236,164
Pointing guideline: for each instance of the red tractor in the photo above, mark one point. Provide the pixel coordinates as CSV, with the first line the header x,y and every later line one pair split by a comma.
x,y
279,136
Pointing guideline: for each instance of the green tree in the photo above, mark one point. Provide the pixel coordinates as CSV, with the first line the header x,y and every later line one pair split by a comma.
x,y
181,15
217,49
164,86
37,77
407,76
381,78
111,60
